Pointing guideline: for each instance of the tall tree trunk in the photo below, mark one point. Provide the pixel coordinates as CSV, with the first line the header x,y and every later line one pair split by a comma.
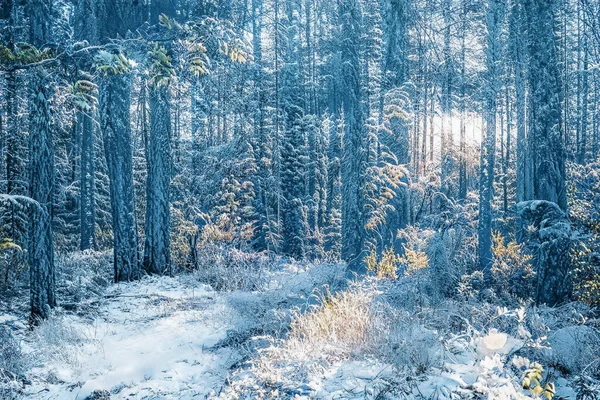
x,y
583,125
41,247
507,155
353,159
16,154
488,146
41,171
462,173
523,169
115,103
87,182
446,102
595,123
157,248
546,149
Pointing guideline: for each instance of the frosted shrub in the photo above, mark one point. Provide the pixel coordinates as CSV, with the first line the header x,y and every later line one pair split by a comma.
x,y
10,351
404,342
12,365
57,340
82,274
470,285
336,327
386,267
227,269
416,242
511,270
447,268
12,261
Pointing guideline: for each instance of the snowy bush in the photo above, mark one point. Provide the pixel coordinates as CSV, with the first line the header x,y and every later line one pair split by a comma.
x,y
575,349
584,213
12,365
83,274
227,269
409,344
10,352
511,269
12,261
58,342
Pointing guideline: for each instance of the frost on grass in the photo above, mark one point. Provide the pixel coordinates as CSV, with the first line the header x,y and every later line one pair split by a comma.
x,y
297,332
12,365
356,344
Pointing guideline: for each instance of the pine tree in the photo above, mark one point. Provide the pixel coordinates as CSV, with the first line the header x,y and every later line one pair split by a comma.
x,y
545,139
157,248
488,146
394,138
115,104
293,151
354,141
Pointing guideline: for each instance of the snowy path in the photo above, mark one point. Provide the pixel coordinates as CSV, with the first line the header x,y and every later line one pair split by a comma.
x,y
156,339
150,340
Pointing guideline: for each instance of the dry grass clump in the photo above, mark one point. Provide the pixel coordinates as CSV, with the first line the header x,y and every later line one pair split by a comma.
x,y
56,340
336,327
229,269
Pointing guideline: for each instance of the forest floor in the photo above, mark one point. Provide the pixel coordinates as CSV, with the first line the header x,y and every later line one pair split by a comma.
x,y
161,337
148,338
177,338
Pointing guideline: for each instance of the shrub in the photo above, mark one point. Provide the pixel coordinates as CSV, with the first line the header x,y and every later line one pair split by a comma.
x,y
13,364
586,282
83,274
11,357
228,269
12,260
336,327
386,267
511,269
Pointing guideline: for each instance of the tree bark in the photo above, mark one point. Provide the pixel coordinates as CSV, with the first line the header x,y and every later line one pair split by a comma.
x,y
115,103
157,248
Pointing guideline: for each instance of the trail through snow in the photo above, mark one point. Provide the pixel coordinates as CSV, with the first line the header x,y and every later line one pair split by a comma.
x,y
151,339
163,338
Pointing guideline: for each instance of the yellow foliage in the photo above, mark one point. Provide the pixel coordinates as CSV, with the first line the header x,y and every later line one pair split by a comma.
x,y
511,268
415,260
8,244
84,93
162,70
168,23
112,63
586,280
532,381
386,267
588,291
24,53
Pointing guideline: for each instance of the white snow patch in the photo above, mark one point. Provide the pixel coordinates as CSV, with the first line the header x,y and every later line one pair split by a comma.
x,y
151,338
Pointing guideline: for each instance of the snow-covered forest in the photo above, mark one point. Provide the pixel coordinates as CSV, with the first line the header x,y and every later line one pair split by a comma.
x,y
298,199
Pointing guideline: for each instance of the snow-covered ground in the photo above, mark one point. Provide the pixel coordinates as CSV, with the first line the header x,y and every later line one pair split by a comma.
x,y
150,339
176,338
159,338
